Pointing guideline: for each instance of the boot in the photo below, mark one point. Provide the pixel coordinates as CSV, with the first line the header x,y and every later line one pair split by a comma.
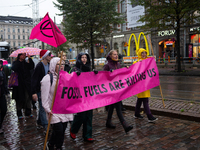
x,y
126,126
109,124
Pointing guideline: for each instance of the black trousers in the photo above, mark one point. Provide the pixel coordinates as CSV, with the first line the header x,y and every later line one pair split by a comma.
x,y
3,109
118,107
57,136
85,119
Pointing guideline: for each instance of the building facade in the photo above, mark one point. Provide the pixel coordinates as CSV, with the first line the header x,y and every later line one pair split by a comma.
x,y
163,43
16,31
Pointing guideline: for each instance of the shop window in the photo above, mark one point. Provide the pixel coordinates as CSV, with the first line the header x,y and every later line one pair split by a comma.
x,y
116,47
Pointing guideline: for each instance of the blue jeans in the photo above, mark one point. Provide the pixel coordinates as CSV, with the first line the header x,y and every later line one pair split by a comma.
x,y
42,114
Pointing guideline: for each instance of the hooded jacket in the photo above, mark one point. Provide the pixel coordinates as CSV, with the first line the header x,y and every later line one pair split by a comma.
x,y
146,93
47,91
111,65
79,64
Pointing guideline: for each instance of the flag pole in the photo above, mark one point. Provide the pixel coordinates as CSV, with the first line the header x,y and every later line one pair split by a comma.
x,y
54,95
159,85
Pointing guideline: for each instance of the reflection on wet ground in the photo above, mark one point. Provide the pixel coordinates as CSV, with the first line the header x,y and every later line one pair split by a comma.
x,y
179,87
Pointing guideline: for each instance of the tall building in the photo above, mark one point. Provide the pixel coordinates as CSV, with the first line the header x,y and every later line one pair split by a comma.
x,y
16,31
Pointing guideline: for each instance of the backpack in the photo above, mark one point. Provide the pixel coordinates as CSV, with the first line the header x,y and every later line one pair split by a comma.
x,y
51,78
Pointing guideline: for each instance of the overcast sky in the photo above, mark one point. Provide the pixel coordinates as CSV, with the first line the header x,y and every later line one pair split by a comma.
x,y
21,8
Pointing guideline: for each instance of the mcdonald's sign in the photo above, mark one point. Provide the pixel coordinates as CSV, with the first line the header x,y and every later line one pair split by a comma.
x,y
137,43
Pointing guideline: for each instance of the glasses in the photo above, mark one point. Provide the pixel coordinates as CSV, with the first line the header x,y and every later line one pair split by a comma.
x,y
61,64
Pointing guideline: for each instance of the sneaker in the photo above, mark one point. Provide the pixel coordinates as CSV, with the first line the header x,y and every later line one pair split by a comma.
x,y
1,131
152,119
72,135
89,140
49,147
138,117
123,109
31,116
21,117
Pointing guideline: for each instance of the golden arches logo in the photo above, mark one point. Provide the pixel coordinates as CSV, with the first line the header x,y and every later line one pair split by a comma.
x,y
137,43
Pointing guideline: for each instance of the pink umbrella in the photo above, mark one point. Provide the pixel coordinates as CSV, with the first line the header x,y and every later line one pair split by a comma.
x,y
5,62
28,50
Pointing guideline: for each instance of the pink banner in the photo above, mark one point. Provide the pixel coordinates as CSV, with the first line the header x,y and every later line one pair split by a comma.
x,y
89,91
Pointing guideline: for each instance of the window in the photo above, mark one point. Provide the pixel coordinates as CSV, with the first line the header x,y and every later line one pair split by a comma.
x,y
23,37
8,29
123,27
23,31
123,6
1,36
28,37
13,36
18,30
14,44
19,44
13,30
8,36
18,36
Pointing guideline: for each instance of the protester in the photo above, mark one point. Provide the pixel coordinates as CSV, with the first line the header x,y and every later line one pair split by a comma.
x,y
39,72
22,92
143,97
67,64
3,92
110,66
113,64
85,118
58,121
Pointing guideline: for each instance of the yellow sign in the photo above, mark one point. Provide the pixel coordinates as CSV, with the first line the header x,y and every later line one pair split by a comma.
x,y
137,43
102,50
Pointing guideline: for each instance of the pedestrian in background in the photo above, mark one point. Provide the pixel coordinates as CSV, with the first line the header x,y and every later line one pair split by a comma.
x,y
22,92
144,96
83,118
39,72
3,92
113,64
67,64
58,121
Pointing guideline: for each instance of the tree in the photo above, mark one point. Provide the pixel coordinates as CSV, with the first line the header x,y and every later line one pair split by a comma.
x,y
169,14
89,21
64,47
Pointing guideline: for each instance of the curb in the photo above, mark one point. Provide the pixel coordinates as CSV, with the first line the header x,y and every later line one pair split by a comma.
x,y
169,113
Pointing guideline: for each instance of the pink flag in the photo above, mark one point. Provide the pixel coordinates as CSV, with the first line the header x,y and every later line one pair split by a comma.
x,y
47,32
88,90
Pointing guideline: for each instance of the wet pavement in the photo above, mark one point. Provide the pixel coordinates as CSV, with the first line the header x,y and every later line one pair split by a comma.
x,y
167,133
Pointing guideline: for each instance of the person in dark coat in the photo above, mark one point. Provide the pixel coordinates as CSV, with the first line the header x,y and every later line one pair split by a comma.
x,y
41,69
85,118
22,92
3,91
113,64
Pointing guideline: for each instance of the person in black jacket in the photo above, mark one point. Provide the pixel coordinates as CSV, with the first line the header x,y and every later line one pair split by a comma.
x,y
39,72
22,92
3,92
82,65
